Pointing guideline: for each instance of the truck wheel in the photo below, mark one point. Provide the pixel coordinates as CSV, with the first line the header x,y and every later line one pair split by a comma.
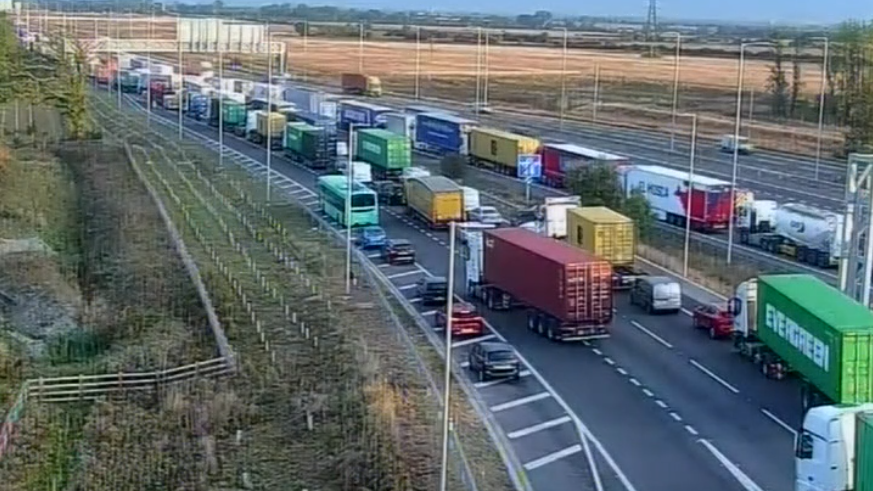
x,y
482,376
531,322
540,329
489,299
550,334
712,333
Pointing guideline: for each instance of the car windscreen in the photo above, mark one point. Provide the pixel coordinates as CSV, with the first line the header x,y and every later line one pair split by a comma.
x,y
403,247
501,356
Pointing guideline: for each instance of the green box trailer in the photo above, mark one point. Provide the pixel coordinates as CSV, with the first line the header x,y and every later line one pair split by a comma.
x,y
310,145
233,113
388,153
294,141
864,452
824,335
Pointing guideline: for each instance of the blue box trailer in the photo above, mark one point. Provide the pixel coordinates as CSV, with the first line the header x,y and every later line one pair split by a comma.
x,y
316,119
198,105
442,133
362,115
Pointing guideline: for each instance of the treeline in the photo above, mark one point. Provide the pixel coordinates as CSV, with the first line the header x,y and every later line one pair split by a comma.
x,y
848,97
57,78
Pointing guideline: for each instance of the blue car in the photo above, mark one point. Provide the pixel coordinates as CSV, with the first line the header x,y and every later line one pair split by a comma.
x,y
371,238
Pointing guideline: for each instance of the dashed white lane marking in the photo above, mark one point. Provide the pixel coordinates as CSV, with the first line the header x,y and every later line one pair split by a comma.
x,y
635,382
714,376
609,361
779,422
538,427
407,287
621,371
520,402
686,311
690,429
651,334
661,404
552,457
675,416
648,393
597,352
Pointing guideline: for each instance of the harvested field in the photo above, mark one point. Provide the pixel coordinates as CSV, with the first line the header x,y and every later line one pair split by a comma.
x,y
328,396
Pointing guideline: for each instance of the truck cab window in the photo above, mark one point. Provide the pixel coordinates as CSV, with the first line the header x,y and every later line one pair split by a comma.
x,y
804,446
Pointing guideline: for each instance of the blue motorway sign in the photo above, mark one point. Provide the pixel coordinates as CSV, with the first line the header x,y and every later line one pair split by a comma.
x,y
529,167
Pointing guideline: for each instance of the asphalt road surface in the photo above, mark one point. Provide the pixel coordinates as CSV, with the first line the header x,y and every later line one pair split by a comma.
x,y
671,408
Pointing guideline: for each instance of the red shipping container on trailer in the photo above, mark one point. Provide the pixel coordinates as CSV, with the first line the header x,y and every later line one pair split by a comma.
x,y
561,158
569,289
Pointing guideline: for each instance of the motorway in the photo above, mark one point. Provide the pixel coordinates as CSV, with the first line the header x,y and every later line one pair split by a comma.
x,y
666,407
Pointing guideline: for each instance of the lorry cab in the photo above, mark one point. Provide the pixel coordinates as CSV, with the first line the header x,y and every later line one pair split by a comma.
x,y
825,448
729,143
657,294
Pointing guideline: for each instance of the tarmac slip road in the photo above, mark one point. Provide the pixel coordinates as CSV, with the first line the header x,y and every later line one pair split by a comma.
x,y
649,444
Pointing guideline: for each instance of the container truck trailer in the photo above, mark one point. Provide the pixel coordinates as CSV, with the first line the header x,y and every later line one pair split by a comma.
x,y
667,192
233,115
387,152
562,159
566,291
436,200
267,126
360,84
804,233
798,324
401,124
834,449
361,115
608,235
443,133
309,145
499,150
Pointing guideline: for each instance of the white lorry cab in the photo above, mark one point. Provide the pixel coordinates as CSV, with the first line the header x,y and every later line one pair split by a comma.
x,y
741,144
826,449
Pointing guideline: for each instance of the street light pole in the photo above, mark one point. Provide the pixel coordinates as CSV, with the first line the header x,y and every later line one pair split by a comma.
x,y
181,97
348,208
444,467
269,126
417,62
220,97
485,81
596,91
675,91
821,105
478,68
361,49
690,192
564,79
736,157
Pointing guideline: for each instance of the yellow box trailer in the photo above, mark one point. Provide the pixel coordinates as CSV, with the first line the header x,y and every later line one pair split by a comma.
x,y
436,199
608,235
499,149
277,124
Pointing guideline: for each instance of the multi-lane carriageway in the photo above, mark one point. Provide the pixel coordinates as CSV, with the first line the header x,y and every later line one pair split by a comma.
x,y
664,408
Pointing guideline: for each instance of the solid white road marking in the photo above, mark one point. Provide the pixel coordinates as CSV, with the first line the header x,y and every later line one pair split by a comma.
x,y
405,273
538,427
552,457
739,475
483,385
779,422
714,376
465,342
520,402
651,334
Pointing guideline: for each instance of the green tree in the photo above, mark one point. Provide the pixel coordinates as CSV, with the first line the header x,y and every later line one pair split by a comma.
x,y
777,82
851,77
599,185
796,76
453,166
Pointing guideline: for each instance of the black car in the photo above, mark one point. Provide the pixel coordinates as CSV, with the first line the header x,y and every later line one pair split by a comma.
x,y
398,251
433,290
494,360
390,193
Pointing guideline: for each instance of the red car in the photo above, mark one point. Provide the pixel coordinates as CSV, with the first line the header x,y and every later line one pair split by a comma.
x,y
715,319
465,320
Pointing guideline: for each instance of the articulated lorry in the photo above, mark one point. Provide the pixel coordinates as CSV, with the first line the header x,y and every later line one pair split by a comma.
x,y
798,324
313,146
834,449
437,200
360,84
262,126
566,291
233,115
609,235
388,153
809,235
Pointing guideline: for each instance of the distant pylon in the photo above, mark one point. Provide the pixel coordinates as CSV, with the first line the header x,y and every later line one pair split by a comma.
x,y
651,29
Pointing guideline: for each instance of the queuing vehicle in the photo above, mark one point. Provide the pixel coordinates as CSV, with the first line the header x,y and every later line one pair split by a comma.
x,y
714,319
387,153
657,294
566,292
390,193
433,290
491,359
398,251
442,133
332,193
466,320
609,235
371,238
798,324
742,145
499,150
487,215
561,159
834,449
361,84
436,200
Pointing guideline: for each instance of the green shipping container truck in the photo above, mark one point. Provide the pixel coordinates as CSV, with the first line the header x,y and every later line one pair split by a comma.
x,y
233,114
388,153
864,452
821,333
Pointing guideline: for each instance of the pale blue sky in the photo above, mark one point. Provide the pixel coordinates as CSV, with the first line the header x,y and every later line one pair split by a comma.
x,y
777,11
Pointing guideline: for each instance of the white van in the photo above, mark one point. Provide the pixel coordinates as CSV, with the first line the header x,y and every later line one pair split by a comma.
x,y
657,294
742,145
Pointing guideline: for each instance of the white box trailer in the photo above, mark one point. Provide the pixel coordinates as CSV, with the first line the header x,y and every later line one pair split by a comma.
x,y
401,124
667,191
554,213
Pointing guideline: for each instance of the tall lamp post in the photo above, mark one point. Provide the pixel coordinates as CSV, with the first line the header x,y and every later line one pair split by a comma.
x,y
675,88
361,49
821,100
690,191
740,73
348,208
564,78
450,302
417,62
